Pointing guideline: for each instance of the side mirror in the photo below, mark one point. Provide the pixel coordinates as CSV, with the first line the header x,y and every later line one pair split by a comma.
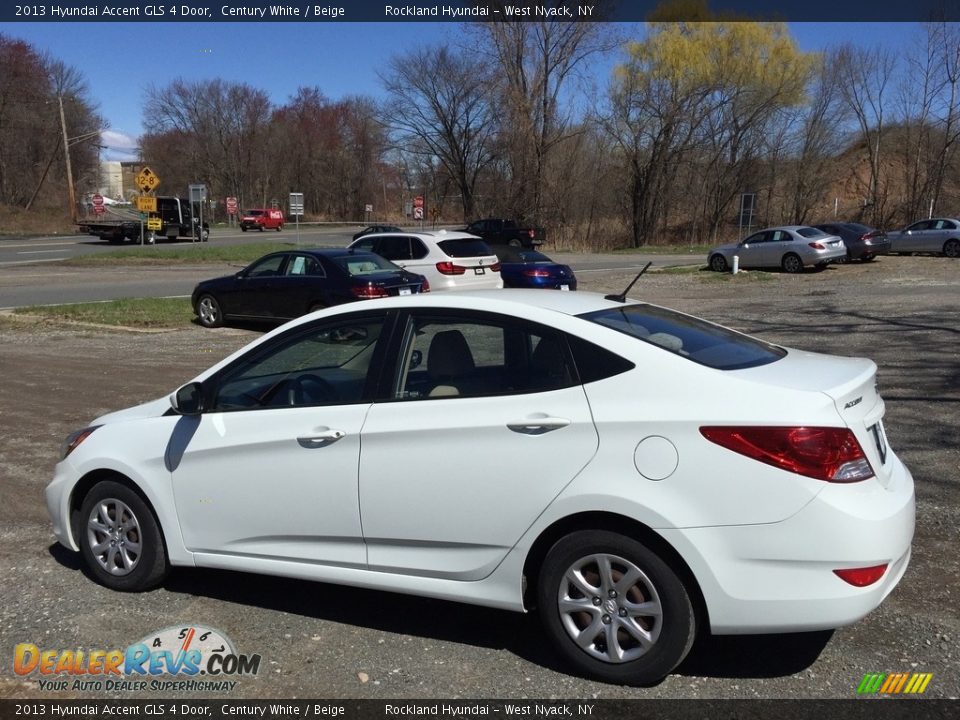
x,y
188,400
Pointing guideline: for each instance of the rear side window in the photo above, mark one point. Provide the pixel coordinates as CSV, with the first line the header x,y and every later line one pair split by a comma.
x,y
809,232
688,337
465,247
594,363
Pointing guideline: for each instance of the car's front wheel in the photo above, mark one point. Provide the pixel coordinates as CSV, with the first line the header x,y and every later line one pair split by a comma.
x,y
951,248
279,228
718,263
120,538
208,311
791,263
614,608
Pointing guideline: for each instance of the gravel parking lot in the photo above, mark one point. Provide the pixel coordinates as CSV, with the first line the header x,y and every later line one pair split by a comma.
x,y
324,641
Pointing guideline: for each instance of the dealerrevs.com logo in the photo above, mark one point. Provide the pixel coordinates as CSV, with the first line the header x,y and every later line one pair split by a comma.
x,y
158,662
894,683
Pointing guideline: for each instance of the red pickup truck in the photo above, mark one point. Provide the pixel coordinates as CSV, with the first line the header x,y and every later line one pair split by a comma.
x,y
262,219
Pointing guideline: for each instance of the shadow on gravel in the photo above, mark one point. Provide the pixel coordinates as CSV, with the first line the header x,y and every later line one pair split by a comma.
x,y
741,656
754,656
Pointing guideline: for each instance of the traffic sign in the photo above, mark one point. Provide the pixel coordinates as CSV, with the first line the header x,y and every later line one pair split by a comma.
x,y
154,224
147,180
231,206
296,203
98,204
145,203
418,201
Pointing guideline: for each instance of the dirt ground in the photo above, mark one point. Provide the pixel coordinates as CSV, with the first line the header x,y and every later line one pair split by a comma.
x,y
324,641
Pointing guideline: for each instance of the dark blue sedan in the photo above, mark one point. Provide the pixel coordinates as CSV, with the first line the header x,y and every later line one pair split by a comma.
x,y
521,268
284,285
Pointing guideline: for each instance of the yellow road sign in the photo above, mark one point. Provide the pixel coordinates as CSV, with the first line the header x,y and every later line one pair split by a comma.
x,y
147,180
154,224
146,204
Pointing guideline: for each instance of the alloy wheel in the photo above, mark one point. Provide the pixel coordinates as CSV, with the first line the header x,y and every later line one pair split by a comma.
x,y
114,536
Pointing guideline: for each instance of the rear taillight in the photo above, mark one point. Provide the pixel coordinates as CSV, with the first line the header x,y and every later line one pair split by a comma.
x,y
495,267
369,291
425,286
817,246
448,268
531,233
872,234
822,453
861,577
537,273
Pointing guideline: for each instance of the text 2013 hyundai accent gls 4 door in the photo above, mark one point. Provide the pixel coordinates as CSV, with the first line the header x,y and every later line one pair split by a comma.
x,y
635,474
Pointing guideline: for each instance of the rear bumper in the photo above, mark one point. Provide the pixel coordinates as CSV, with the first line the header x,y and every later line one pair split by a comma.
x,y
779,577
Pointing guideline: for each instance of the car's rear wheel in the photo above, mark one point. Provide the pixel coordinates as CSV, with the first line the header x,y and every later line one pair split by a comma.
x,y
209,312
951,248
868,258
614,609
120,538
718,263
279,228
791,263
243,228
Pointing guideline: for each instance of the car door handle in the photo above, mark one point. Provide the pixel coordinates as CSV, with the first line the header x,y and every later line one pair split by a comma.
x,y
538,425
321,439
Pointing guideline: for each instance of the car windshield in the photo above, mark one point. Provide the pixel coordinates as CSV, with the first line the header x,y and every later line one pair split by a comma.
x,y
465,247
688,337
254,213
356,265
809,232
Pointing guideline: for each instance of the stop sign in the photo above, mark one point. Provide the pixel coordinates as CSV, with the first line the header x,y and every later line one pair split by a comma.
x,y
98,203
231,206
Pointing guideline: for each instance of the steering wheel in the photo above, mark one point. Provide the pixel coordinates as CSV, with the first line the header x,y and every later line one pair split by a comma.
x,y
308,389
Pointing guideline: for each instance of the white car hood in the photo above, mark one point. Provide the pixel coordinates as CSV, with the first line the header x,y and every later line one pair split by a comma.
x,y
153,408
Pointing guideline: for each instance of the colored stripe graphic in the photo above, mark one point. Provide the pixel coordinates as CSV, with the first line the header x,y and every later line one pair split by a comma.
x,y
894,683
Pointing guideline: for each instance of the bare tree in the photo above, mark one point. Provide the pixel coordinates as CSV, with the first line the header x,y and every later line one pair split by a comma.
x,y
865,77
439,107
536,61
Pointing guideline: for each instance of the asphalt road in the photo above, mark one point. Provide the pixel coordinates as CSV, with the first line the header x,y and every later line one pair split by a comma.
x,y
319,640
30,275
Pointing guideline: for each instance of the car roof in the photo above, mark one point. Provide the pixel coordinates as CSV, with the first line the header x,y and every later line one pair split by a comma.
x,y
435,235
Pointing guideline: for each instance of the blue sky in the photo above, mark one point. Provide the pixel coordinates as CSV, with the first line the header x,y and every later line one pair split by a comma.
x,y
342,59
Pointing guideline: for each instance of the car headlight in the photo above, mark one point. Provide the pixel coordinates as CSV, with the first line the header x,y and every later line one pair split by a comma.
x,y
75,438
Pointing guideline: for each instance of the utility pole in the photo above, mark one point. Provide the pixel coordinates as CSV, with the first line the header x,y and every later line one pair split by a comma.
x,y
71,197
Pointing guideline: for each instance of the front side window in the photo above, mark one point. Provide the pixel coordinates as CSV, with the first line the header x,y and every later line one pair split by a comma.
x,y
448,357
688,337
320,365
755,238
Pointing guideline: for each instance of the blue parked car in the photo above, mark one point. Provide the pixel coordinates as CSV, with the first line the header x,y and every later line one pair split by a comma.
x,y
522,268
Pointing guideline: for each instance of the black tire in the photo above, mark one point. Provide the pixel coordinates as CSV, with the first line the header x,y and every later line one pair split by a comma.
x,y
205,235
718,263
260,228
243,228
951,248
515,243
608,616
791,263
279,228
208,310
113,521
868,258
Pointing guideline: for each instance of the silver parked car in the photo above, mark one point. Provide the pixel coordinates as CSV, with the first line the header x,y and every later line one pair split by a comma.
x,y
790,248
936,235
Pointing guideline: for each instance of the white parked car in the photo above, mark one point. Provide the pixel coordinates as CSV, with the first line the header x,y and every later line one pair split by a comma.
x,y
450,260
635,474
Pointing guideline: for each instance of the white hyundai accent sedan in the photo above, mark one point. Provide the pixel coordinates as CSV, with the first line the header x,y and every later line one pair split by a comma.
x,y
635,474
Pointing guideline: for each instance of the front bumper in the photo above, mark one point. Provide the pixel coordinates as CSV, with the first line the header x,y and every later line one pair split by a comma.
x,y
779,577
57,496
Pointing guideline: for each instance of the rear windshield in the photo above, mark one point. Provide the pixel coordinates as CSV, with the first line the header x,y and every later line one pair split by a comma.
x,y
367,264
809,232
465,247
515,255
689,337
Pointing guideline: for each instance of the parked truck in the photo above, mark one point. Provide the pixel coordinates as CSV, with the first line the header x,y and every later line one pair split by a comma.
x,y
507,232
176,222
